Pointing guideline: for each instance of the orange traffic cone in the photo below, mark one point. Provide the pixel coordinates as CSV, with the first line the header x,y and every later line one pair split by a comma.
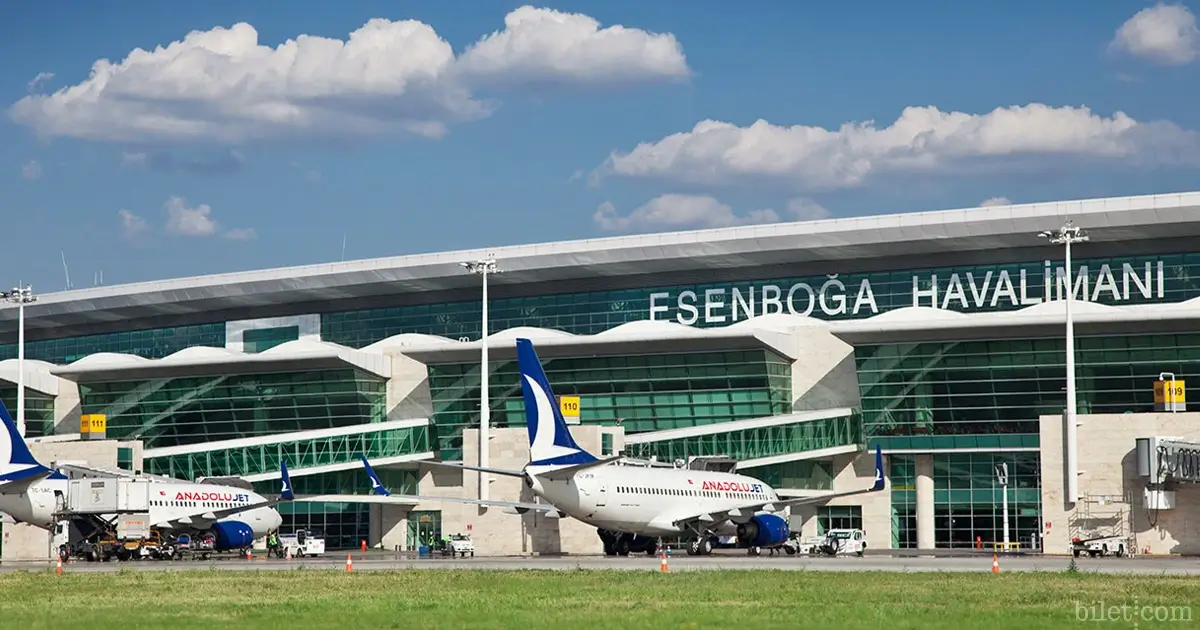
x,y
349,564
59,568
995,564
288,554
662,568
249,554
364,546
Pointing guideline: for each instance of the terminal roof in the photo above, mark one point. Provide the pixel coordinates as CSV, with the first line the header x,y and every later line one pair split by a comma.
x,y
590,264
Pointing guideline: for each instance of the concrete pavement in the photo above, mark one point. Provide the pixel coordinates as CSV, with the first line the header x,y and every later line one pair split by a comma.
x,y
376,561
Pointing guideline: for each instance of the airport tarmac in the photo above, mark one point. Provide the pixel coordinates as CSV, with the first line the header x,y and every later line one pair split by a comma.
x,y
378,561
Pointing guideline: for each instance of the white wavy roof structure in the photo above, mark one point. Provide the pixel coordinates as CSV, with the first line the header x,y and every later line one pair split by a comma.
x,y
302,354
37,375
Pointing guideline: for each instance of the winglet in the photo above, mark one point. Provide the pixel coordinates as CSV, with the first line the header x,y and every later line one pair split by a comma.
x,y
376,484
285,480
879,481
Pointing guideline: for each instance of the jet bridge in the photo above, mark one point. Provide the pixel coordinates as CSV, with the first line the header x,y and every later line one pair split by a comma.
x,y
1165,463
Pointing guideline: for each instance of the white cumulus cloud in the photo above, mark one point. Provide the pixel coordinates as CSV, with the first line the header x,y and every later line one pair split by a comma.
x,y
185,221
922,139
132,226
995,201
675,211
544,46
1165,34
225,86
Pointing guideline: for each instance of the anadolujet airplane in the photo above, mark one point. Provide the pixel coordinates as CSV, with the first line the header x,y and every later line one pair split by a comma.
x,y
31,493
632,506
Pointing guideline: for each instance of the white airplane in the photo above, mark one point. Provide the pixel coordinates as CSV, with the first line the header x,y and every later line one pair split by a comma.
x,y
31,492
632,506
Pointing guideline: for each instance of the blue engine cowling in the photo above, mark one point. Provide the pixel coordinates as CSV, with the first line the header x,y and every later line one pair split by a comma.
x,y
233,535
764,530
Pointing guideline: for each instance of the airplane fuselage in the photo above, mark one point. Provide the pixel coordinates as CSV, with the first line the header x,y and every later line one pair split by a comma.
x,y
168,501
647,501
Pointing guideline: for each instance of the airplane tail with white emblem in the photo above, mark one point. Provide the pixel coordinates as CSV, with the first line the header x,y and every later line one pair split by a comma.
x,y
18,468
550,441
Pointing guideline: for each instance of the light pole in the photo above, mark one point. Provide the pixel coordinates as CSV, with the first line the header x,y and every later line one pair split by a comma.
x,y
1002,477
22,296
483,268
1067,235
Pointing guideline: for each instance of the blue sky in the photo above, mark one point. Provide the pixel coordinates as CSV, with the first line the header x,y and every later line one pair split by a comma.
x,y
215,155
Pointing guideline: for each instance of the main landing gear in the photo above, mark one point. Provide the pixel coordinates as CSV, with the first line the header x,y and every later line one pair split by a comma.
x,y
700,547
621,544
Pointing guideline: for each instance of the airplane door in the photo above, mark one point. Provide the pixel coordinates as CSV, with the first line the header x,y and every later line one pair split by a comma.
x,y
602,494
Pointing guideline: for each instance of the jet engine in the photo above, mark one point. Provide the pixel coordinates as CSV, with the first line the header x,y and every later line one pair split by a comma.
x,y
764,530
233,535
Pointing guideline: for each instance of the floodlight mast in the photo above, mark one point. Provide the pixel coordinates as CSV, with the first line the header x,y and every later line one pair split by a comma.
x,y
483,268
1068,235
20,295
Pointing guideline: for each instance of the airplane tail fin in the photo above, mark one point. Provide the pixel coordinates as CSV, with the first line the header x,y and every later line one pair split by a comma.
x,y
550,441
376,484
16,461
285,480
879,482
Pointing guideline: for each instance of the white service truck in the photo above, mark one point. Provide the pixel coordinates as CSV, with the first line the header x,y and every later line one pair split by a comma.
x,y
1101,546
301,544
839,542
460,545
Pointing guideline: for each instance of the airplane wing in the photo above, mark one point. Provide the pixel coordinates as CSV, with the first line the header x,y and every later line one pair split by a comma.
x,y
494,471
17,486
206,519
775,506
511,507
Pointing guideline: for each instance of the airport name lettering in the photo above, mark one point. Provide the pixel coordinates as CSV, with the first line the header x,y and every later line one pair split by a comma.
x,y
956,291
731,486
225,497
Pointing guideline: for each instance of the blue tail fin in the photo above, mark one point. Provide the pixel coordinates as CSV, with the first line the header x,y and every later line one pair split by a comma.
x,y
376,484
879,482
16,461
550,441
285,481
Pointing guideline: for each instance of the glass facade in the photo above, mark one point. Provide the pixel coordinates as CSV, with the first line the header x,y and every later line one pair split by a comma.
x,y
968,502
758,442
840,517
151,344
647,393
806,474
39,410
257,340
178,411
266,458
344,525
991,393
1137,280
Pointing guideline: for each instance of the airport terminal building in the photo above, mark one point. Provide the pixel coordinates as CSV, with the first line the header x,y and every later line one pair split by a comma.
x,y
788,349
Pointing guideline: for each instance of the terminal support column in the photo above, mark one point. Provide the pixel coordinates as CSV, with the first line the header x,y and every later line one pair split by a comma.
x,y
925,536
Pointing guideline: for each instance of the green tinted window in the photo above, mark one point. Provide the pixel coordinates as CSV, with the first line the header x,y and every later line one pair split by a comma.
x,y
151,344
170,412
643,393
989,394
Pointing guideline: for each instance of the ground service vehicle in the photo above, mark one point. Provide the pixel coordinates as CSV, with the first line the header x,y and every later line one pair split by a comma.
x,y
1114,545
302,543
460,545
843,541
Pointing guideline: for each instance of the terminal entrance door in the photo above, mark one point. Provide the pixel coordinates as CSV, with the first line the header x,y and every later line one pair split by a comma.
x,y
423,528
